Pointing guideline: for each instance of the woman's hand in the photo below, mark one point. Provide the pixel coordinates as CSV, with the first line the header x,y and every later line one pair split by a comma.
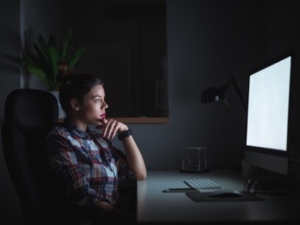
x,y
111,127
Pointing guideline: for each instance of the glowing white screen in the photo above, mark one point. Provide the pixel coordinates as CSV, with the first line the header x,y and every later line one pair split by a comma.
x,y
267,123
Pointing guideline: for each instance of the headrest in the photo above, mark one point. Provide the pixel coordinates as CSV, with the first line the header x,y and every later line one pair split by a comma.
x,y
31,109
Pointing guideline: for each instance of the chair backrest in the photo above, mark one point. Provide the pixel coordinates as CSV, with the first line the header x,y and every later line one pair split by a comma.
x,y
29,114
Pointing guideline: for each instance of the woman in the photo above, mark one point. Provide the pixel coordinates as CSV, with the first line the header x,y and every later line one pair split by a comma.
x,y
86,164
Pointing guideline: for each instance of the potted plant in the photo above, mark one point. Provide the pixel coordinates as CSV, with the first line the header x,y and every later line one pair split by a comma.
x,y
43,62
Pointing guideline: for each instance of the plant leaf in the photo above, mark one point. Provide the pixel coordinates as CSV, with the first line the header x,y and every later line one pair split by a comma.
x,y
46,55
53,62
66,46
43,62
74,59
32,68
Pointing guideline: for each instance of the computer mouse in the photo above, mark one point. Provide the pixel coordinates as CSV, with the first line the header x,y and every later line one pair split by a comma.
x,y
223,193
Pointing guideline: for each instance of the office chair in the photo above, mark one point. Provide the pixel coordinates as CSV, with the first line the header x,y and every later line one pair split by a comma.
x,y
28,116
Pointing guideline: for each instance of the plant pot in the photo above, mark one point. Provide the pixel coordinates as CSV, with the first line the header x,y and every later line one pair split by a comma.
x,y
61,114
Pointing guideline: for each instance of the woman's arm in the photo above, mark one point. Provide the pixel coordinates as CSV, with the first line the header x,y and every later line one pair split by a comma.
x,y
134,158
133,155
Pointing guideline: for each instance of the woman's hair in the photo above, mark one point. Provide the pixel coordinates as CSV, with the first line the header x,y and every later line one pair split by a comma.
x,y
74,85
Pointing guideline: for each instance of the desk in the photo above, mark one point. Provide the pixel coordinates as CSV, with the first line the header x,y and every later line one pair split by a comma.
x,y
153,205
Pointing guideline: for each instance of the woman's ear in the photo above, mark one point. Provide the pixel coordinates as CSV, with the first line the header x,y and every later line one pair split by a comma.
x,y
75,104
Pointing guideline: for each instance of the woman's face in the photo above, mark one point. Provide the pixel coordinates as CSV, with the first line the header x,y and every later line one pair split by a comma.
x,y
93,108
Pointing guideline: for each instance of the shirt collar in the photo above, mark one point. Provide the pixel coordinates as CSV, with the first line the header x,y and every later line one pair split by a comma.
x,y
76,130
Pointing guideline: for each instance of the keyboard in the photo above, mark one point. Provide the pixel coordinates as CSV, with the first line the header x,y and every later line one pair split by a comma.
x,y
203,183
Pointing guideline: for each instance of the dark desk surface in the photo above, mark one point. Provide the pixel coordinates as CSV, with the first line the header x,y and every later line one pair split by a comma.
x,y
156,206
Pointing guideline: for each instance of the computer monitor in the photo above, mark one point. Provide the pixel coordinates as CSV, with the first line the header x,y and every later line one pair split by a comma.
x,y
268,115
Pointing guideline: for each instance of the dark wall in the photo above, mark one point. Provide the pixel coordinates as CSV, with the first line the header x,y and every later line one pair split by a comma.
x,y
10,43
207,42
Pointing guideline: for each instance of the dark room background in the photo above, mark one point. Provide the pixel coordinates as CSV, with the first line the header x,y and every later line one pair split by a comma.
x,y
206,41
